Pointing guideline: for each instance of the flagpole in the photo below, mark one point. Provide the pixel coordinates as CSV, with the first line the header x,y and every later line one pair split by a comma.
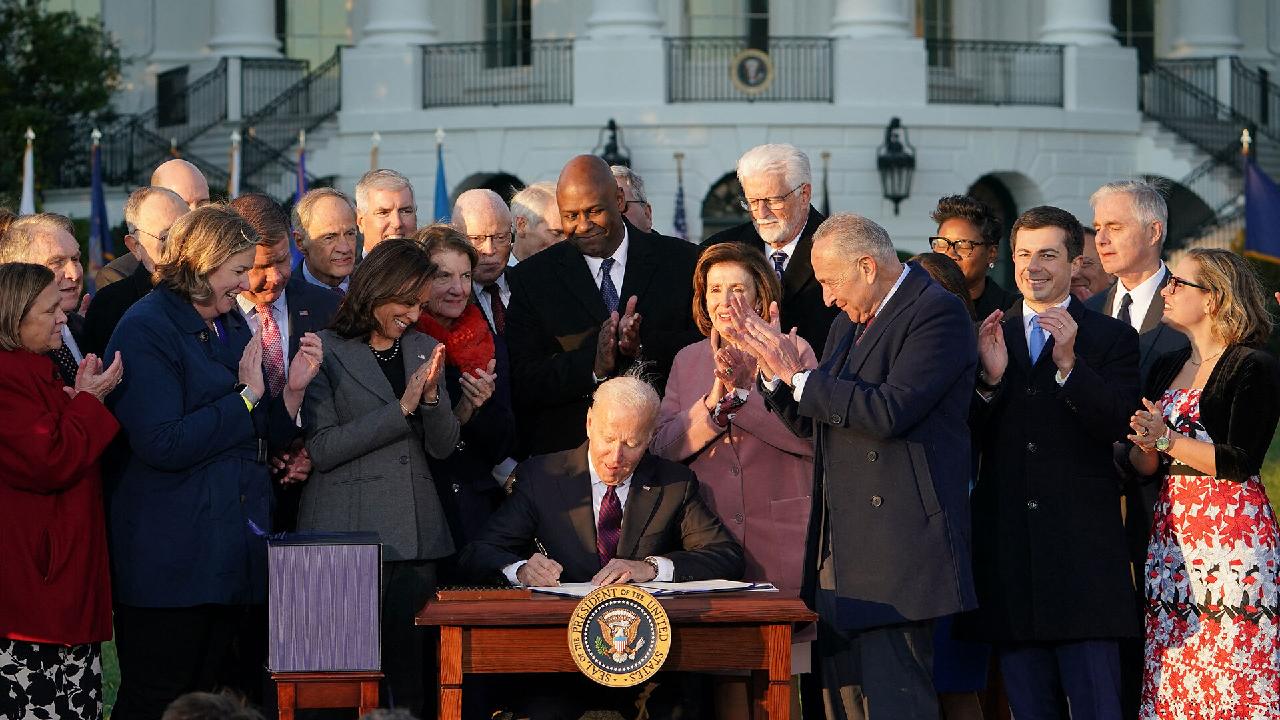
x,y
826,192
28,204
679,222
173,147
375,141
99,236
233,167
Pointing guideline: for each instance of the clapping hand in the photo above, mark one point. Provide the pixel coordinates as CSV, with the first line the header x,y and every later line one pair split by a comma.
x,y
423,385
1062,328
735,368
250,372
91,378
478,387
777,355
1148,425
606,347
629,330
293,465
306,363
992,352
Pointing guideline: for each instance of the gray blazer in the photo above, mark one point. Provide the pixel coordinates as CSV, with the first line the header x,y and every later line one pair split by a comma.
x,y
370,461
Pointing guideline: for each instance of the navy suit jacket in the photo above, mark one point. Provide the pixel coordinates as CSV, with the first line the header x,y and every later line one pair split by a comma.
x,y
1049,545
181,508
889,419
311,309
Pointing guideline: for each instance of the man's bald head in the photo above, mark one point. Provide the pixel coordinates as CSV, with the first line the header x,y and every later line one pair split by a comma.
x,y
183,178
591,206
484,218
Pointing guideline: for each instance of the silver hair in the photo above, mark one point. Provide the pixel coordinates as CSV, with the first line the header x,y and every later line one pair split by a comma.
x,y
855,236
139,197
776,158
17,242
301,215
477,199
629,393
530,202
380,179
633,180
1148,202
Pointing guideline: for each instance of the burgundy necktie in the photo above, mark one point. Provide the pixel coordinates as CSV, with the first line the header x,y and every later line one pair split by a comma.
x,y
609,526
865,327
272,350
495,305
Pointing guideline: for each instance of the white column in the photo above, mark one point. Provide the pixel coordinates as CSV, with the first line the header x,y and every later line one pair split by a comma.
x,y
1078,22
399,22
244,28
1205,29
870,19
614,18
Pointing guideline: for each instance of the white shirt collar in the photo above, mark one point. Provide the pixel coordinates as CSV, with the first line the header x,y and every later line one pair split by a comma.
x,y
248,308
906,268
619,258
789,249
1028,315
1142,296
306,275
69,340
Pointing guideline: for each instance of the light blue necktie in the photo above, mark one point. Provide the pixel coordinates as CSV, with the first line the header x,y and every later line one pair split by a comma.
x,y
608,290
1037,339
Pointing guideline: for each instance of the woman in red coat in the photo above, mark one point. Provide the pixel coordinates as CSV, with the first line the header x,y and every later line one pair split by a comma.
x,y
55,591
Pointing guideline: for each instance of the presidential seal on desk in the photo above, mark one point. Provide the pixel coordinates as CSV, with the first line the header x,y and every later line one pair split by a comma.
x,y
619,635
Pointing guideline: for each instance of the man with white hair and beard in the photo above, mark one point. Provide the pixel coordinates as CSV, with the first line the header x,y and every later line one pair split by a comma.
x,y
776,189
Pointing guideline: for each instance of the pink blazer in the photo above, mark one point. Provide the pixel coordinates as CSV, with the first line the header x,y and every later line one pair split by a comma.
x,y
756,476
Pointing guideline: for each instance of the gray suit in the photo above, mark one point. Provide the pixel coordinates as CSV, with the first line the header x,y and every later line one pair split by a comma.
x,y
370,462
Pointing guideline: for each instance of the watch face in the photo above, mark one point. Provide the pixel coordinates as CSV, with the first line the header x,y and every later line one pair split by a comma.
x,y
1162,443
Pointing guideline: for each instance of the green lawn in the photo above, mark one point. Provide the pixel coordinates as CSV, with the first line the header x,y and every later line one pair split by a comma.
x,y
110,677
1271,473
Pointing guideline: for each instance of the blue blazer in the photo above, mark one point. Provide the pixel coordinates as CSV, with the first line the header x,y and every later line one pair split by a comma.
x,y
183,511
889,416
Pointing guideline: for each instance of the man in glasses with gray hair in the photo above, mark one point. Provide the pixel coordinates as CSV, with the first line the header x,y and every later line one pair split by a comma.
x,y
776,189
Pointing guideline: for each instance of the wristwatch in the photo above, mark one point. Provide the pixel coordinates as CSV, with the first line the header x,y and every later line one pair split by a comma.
x,y
246,393
1164,442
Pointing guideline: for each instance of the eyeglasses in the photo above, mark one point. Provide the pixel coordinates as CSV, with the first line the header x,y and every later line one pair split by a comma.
x,y
499,239
774,203
1176,282
162,239
962,247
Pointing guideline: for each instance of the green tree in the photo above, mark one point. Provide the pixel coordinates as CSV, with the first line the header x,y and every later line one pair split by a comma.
x,y
57,73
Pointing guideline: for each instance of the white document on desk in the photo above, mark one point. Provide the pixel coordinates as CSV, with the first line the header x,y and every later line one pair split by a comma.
x,y
663,589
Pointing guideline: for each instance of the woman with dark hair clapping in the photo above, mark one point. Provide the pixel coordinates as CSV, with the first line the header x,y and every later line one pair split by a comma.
x,y
375,413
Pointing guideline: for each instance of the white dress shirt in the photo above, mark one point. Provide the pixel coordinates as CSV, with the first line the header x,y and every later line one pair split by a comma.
x,y
485,301
70,342
1027,316
279,311
306,275
1143,296
666,568
789,249
617,272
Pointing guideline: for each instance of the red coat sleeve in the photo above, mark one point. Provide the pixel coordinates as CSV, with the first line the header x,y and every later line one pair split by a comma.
x,y
48,440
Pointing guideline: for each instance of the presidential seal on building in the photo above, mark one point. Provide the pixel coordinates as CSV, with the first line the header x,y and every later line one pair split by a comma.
x,y
619,635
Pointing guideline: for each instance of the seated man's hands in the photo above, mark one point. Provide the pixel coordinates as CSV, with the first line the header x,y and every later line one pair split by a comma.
x,y
618,570
539,571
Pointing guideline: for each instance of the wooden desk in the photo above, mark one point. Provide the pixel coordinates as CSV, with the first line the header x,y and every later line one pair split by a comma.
x,y
721,631
315,690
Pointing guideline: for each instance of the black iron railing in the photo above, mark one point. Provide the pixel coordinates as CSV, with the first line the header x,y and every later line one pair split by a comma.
x,y
486,73
205,99
1192,113
1255,96
989,72
264,79
715,69
1200,73
268,134
1219,184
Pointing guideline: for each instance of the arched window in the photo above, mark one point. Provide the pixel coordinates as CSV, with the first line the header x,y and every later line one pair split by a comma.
x,y
720,208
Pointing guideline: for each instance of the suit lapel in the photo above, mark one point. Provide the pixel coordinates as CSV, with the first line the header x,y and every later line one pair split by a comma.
x,y
1015,339
642,261
642,503
1155,311
912,285
580,284
355,356
1109,305
800,268
575,489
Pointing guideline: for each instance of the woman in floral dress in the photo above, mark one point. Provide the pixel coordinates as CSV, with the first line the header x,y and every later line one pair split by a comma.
x,y
1213,562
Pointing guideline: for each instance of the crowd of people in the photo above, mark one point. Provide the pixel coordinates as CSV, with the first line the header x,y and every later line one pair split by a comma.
x,y
1046,496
